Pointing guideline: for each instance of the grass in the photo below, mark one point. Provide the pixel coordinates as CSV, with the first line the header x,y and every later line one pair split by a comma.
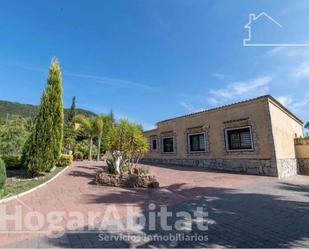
x,y
19,181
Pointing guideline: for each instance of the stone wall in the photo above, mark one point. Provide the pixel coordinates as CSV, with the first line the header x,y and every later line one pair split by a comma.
x,y
303,165
287,167
302,154
249,166
302,147
302,141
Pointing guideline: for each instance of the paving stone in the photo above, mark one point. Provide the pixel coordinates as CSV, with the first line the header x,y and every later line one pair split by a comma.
x,y
246,211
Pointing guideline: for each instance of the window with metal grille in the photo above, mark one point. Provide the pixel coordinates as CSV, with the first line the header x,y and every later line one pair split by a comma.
x,y
168,144
239,139
197,142
154,144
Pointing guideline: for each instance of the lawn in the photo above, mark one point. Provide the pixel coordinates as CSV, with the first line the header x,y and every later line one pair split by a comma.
x,y
18,181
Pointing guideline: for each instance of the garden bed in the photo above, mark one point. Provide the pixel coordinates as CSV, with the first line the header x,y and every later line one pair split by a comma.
x,y
126,181
19,181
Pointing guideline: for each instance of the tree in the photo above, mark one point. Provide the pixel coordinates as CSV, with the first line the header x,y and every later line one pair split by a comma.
x,y
92,128
43,147
2,173
13,135
126,140
69,128
112,117
72,112
100,126
108,123
69,136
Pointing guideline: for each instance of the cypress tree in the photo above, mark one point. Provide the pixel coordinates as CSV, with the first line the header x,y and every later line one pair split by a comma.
x,y
72,111
111,114
2,173
43,148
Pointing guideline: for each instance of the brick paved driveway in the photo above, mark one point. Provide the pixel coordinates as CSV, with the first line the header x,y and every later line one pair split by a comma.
x,y
243,211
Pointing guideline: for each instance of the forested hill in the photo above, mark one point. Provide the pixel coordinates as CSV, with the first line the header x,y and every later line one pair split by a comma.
x,y
25,110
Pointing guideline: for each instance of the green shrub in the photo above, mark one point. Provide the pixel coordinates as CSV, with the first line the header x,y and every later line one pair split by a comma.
x,y
13,134
83,147
123,167
111,168
110,165
2,173
78,155
12,162
65,160
94,151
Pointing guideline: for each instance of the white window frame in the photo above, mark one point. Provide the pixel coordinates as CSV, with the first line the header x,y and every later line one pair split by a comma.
x,y
151,143
162,145
205,142
238,128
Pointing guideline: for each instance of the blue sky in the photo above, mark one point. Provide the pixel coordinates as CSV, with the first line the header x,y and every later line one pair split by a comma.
x,y
155,59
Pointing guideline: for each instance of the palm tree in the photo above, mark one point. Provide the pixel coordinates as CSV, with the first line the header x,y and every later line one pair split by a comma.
x,y
92,127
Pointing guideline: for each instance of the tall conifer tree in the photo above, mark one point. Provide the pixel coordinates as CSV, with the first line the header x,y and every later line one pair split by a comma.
x,y
72,111
43,148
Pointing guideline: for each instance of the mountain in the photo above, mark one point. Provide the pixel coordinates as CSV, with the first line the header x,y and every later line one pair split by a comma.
x,y
25,110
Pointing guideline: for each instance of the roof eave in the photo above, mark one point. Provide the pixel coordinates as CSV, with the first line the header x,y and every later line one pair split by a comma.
x,y
286,110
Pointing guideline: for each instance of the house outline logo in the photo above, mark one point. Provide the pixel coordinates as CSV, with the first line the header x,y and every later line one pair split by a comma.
x,y
253,18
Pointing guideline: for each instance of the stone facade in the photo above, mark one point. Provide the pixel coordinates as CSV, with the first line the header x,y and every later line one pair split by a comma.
x,y
255,167
287,167
303,166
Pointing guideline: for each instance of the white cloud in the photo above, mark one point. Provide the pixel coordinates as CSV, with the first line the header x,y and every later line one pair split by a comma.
x,y
113,81
296,106
189,107
275,51
297,53
219,76
212,101
285,100
96,78
302,71
287,60
287,51
248,88
291,104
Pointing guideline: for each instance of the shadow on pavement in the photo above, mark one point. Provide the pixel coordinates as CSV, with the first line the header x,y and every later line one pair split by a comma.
x,y
236,218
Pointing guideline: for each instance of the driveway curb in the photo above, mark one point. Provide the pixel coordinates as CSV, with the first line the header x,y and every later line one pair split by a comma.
x,y
33,189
